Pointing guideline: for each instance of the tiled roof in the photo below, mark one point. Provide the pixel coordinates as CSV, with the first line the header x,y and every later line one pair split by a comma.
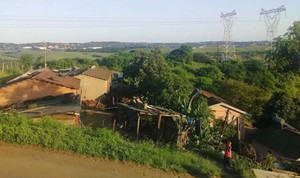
x,y
99,73
50,77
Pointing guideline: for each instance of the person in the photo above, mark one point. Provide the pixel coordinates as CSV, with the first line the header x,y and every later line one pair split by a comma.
x,y
227,155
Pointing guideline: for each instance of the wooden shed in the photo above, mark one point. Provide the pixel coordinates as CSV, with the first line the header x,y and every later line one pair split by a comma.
x,y
161,123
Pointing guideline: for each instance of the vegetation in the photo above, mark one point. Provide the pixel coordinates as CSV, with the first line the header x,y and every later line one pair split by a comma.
x,y
261,82
102,143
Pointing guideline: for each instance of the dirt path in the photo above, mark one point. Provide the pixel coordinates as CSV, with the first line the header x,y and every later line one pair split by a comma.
x,y
25,161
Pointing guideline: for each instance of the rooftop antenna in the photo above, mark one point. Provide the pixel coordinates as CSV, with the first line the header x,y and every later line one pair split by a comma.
x,y
272,18
227,20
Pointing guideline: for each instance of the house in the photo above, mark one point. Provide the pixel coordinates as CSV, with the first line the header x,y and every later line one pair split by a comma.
x,y
35,85
95,82
225,111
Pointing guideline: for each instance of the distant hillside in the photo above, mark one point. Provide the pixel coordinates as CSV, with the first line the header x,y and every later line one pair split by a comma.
x,y
116,46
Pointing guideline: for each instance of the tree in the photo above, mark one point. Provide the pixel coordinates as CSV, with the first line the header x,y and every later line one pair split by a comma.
x,y
116,61
184,54
259,75
145,70
233,69
203,58
27,61
170,90
285,56
39,62
212,72
247,97
285,106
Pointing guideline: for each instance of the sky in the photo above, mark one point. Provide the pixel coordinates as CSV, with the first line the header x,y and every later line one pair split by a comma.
x,y
137,20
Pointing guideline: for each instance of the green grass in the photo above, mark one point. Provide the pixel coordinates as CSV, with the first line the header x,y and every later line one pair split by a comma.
x,y
54,55
238,49
47,133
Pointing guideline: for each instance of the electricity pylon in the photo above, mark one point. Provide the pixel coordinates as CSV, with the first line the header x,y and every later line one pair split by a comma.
x,y
272,18
227,20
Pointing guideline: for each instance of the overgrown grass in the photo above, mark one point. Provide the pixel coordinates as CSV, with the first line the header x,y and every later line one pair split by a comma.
x,y
47,133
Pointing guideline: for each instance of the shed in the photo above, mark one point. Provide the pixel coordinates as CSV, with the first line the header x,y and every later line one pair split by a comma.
x,y
165,124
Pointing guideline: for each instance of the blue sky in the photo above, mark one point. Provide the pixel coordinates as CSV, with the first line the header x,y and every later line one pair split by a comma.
x,y
137,20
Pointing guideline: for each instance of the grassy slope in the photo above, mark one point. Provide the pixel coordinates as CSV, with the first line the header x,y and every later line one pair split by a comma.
x,y
103,143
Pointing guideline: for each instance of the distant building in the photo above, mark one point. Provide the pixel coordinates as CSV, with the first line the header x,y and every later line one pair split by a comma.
x,y
27,47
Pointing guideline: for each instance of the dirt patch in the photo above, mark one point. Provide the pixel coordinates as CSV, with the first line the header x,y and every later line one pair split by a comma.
x,y
29,161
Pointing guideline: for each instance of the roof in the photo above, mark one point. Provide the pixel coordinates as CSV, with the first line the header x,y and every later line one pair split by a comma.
x,y
99,73
213,99
50,77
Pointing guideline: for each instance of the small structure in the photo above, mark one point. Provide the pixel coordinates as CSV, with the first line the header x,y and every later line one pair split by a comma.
x,y
224,111
162,123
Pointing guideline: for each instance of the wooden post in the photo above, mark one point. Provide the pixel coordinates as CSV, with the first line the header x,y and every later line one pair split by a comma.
x,y
158,126
238,133
138,126
159,121
77,119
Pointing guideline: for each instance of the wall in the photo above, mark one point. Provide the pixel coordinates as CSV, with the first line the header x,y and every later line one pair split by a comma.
x,y
30,89
220,113
92,88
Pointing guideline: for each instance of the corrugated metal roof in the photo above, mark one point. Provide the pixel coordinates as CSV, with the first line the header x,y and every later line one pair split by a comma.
x,y
99,73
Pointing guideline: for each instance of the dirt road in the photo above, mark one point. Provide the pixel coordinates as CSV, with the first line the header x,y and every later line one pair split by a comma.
x,y
26,161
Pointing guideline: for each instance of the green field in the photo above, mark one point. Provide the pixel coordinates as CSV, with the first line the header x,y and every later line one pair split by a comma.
x,y
238,49
53,55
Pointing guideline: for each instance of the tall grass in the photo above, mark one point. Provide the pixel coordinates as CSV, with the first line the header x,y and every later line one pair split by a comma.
x,y
47,133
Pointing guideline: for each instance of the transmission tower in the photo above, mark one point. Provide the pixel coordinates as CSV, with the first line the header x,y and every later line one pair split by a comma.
x,y
227,20
272,18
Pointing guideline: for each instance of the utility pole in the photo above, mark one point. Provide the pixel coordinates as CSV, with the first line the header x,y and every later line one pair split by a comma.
x,y
272,18
227,20
45,63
